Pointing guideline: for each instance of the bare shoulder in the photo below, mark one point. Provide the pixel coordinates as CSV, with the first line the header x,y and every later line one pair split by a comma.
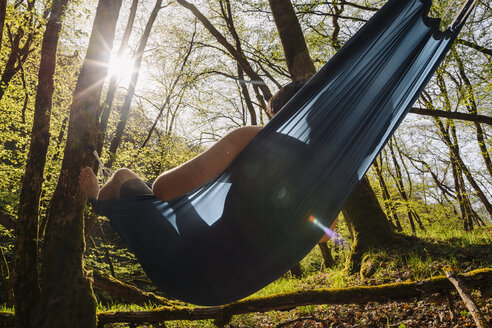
x,y
237,139
245,132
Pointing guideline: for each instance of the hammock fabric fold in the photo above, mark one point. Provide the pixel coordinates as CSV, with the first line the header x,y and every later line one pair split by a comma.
x,y
243,230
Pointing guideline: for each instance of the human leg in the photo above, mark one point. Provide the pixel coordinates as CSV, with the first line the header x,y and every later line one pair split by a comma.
x,y
88,183
123,182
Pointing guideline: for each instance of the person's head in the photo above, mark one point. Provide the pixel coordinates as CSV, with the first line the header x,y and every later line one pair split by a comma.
x,y
283,95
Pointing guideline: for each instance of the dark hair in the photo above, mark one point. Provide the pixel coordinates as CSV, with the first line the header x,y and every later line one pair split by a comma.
x,y
283,95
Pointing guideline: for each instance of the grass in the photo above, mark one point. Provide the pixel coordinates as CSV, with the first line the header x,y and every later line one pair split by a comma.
x,y
124,307
412,259
4,308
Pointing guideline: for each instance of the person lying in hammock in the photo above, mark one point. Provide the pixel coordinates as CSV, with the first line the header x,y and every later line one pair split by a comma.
x,y
191,175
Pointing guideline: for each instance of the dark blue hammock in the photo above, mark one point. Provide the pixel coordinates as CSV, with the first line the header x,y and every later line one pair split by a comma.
x,y
243,230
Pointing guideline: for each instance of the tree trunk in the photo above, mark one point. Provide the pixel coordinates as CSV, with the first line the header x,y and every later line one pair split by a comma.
x,y
363,207
295,49
26,285
326,254
465,295
388,202
368,222
454,148
125,109
401,187
227,15
3,13
67,299
105,109
6,278
469,96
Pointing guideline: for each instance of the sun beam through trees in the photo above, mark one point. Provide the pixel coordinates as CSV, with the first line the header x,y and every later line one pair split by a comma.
x,y
150,84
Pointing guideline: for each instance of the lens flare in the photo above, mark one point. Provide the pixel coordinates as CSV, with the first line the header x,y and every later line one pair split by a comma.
x,y
337,239
121,67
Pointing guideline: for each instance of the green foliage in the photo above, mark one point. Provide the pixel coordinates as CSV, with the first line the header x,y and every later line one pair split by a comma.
x,y
206,103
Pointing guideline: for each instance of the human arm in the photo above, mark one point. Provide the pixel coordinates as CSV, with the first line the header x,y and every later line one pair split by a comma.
x,y
205,167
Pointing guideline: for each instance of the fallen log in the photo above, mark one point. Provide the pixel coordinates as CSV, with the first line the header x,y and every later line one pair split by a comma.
x,y
402,291
125,292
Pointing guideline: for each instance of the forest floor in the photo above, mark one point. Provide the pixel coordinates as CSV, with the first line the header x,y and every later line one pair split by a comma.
x,y
411,260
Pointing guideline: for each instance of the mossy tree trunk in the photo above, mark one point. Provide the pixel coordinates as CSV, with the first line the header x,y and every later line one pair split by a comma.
x,y
365,215
26,284
367,221
67,299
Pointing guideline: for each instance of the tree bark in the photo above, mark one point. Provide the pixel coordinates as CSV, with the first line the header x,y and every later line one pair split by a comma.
x,y
467,299
326,254
402,291
3,13
368,222
295,49
6,278
397,177
26,285
445,135
67,299
125,109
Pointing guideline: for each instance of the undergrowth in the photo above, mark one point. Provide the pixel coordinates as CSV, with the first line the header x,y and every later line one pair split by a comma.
x,y
411,259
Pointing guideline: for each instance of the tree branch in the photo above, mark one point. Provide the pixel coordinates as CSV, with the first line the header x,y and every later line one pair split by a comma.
x,y
454,115
230,48
467,299
475,46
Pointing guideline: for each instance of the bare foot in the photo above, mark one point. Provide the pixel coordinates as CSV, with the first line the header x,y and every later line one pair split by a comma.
x,y
88,183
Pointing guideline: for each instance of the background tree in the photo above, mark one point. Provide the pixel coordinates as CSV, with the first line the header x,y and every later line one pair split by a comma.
x,y
26,286
67,300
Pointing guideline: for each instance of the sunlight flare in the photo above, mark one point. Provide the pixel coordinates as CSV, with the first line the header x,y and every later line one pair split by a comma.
x,y
337,239
121,67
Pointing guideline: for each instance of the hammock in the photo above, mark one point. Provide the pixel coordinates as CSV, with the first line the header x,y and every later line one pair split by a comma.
x,y
250,225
